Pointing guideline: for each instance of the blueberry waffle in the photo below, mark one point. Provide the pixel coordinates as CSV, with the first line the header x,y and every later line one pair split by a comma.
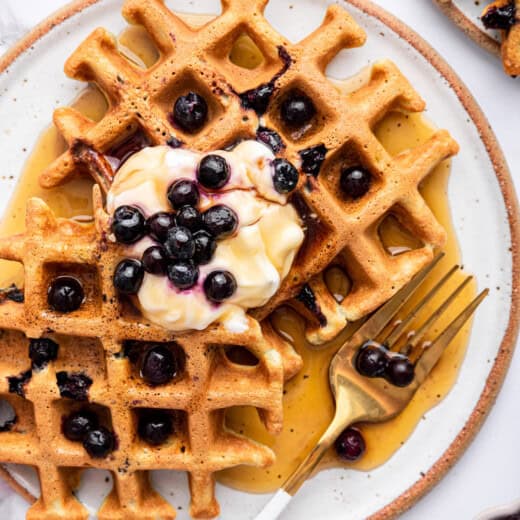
x,y
504,15
94,386
141,396
194,97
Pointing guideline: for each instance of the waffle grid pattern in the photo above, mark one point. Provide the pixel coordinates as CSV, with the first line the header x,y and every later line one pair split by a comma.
x,y
209,385
197,59
339,231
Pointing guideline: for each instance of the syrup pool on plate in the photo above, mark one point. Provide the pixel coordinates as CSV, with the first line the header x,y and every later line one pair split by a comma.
x,y
308,404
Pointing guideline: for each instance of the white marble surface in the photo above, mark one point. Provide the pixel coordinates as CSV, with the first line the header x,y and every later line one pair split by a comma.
x,y
489,473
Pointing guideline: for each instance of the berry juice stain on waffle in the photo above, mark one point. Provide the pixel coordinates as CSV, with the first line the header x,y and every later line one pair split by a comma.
x,y
247,211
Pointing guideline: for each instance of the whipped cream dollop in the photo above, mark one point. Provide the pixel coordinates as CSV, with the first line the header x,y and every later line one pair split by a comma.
x,y
259,254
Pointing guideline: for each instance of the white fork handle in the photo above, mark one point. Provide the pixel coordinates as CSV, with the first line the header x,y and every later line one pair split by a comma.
x,y
274,508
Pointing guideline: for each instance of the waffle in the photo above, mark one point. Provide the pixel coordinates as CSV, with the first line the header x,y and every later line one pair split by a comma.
x,y
91,342
510,47
339,231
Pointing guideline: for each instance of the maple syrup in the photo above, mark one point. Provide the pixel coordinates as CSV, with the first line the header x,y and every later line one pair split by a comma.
x,y
308,403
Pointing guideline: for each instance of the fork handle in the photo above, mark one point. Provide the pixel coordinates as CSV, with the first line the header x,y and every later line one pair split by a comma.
x,y
279,501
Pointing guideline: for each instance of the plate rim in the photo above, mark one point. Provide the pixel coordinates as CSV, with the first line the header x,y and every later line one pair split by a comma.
x,y
501,364
468,26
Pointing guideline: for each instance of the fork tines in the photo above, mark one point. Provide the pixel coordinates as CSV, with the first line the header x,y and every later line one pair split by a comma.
x,y
425,354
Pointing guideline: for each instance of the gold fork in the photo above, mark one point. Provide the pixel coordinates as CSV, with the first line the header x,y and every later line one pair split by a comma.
x,y
373,399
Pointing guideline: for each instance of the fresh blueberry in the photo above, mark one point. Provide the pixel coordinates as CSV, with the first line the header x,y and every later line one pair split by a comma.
x,y
400,371
179,244
297,110
65,294
350,444
183,275
183,192
155,260
159,224
189,217
205,246
221,221
355,182
285,177
128,224
41,351
213,172
74,385
155,427
219,286
99,442
158,365
372,360
78,424
190,112
128,276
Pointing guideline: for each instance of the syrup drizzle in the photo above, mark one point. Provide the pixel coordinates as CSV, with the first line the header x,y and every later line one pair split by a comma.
x,y
309,389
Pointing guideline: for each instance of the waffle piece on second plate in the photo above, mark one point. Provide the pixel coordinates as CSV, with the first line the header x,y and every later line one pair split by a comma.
x,y
243,103
94,368
504,15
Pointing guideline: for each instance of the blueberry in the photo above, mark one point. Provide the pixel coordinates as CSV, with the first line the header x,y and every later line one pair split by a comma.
x,y
270,138
205,246
190,112
372,360
400,371
179,244
312,159
220,221
155,427
500,17
219,286
297,110
74,385
13,293
128,224
183,275
159,224
183,192
128,276
41,351
350,444
285,177
189,217
65,294
213,172
158,365
258,98
99,442
355,182
155,260
76,426
17,383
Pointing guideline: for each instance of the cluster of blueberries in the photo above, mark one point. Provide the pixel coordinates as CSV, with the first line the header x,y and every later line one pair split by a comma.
x,y
83,426
375,360
154,427
187,238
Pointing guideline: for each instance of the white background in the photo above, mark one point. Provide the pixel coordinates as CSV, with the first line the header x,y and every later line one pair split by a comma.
x,y
489,472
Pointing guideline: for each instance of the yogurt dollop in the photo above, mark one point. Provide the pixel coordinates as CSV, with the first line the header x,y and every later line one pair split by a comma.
x,y
259,254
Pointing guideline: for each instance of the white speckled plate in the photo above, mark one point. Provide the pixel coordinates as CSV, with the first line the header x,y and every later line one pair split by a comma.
x,y
485,215
466,15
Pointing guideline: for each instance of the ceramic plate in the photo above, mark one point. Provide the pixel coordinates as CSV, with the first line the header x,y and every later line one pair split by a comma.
x,y
484,209
466,14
